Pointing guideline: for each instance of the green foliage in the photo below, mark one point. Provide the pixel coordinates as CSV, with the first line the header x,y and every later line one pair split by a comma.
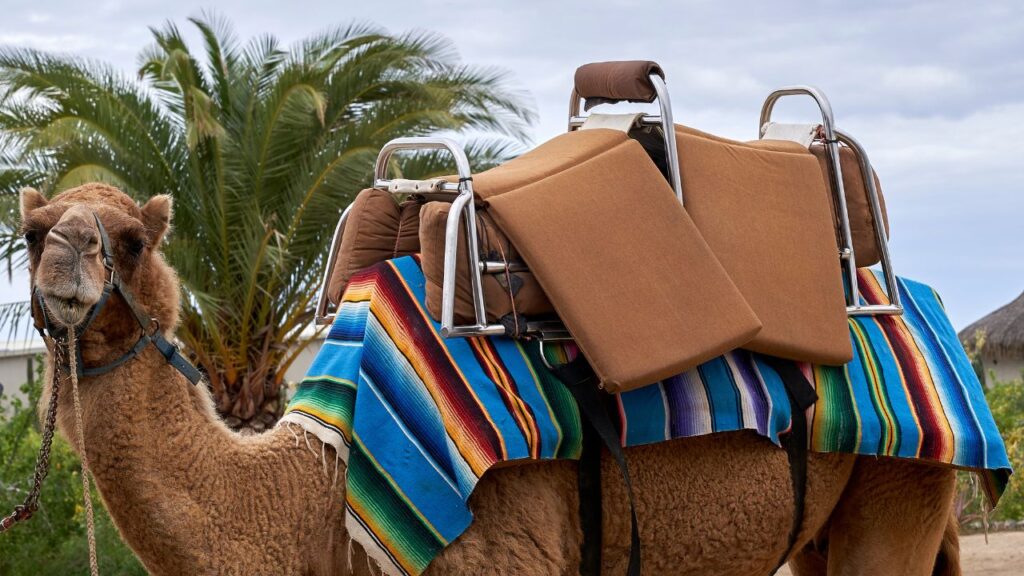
x,y
53,541
1007,402
261,148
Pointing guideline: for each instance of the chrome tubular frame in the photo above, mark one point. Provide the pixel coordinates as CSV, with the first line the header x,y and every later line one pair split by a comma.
x,y
664,120
461,195
832,138
323,315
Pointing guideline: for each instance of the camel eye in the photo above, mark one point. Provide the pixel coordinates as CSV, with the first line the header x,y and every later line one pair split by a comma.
x,y
134,246
31,237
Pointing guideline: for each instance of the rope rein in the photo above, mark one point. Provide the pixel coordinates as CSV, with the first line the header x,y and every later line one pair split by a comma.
x,y
63,339
90,521
25,510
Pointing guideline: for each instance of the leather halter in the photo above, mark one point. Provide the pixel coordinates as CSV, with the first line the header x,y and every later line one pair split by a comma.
x,y
150,327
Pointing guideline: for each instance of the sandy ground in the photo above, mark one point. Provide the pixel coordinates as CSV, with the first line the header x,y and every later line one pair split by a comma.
x,y
1002,556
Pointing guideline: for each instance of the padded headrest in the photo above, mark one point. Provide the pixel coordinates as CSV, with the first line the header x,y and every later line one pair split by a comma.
x,y
610,82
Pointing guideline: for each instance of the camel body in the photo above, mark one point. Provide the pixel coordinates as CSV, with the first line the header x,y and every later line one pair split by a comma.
x,y
191,497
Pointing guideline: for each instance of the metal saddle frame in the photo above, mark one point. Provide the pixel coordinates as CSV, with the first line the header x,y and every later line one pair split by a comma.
x,y
461,196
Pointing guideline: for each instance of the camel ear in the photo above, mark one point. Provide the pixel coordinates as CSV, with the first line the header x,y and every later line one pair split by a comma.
x,y
31,199
156,217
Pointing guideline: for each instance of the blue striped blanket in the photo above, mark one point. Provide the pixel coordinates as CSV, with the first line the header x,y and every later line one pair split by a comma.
x,y
418,419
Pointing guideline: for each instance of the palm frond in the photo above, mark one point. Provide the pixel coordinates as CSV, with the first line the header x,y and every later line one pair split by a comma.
x,y
261,146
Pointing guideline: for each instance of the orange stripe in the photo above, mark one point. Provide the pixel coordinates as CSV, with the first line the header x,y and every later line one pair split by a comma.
x,y
478,460
500,378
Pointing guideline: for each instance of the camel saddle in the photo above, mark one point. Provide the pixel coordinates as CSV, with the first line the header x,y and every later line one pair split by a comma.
x,y
588,229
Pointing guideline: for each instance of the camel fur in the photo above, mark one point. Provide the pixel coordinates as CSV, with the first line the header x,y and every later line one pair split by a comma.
x,y
191,497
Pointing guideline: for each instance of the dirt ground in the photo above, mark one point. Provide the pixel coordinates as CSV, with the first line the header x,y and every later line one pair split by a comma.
x,y
1002,556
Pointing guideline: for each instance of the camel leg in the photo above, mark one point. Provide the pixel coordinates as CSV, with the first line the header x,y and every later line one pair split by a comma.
x,y
891,520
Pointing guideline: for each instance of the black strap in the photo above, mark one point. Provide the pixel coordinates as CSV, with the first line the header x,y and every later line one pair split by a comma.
x,y
176,359
589,488
801,396
579,378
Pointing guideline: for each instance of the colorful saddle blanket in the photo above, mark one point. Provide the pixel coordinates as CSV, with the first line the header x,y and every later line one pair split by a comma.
x,y
418,419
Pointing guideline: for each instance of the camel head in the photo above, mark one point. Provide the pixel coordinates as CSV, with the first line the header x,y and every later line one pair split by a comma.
x,y
66,261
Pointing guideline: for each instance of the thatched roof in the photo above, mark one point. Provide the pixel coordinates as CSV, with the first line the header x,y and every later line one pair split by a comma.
x,y
1003,331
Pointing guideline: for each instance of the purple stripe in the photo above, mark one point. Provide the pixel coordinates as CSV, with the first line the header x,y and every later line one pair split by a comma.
x,y
688,409
751,381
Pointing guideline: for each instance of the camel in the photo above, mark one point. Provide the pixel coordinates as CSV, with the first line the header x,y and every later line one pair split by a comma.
x,y
189,496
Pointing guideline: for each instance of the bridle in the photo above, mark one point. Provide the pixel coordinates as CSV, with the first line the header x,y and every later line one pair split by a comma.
x,y
150,327
58,340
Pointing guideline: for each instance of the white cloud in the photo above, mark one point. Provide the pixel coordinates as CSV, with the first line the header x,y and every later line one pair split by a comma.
x,y
49,42
933,88
918,80
38,17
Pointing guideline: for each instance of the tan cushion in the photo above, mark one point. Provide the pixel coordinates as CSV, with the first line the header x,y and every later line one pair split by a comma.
x,y
554,156
763,210
623,264
377,229
525,296
858,205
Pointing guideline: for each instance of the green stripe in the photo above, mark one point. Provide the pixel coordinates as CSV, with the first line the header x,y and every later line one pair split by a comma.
x,y
390,516
563,407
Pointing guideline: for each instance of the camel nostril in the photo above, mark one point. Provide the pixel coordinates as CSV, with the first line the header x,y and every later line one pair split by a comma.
x,y
58,236
81,239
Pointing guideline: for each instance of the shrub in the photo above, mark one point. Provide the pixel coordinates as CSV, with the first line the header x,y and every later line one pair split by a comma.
x,y
53,541
1006,400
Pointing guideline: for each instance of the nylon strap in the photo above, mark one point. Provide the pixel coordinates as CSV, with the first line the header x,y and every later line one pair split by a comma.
x,y
589,489
579,378
801,397
113,283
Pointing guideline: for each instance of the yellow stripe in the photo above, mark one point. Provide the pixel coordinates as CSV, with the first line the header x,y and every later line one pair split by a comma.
x,y
544,396
519,412
310,378
876,384
326,417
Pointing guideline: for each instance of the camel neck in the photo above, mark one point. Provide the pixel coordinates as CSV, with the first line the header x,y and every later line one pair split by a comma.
x,y
164,463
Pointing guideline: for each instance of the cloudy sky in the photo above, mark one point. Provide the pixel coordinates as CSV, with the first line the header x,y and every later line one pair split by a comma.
x,y
933,89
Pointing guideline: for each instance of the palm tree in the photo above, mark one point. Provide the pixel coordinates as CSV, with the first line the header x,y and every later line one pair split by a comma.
x,y
261,147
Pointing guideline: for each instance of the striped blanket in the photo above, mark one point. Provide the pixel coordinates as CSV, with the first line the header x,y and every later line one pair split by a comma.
x,y
418,419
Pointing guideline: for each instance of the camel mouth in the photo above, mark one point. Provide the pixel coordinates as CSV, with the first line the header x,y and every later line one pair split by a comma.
x,y
66,311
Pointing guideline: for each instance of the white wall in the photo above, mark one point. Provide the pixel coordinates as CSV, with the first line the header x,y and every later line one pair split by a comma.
x,y
1004,369
297,371
15,368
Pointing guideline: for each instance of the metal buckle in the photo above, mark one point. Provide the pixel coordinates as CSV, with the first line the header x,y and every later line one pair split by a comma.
x,y
831,137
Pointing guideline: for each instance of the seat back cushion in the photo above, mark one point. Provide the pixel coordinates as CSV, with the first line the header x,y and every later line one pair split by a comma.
x,y
377,229
556,155
858,205
763,210
623,264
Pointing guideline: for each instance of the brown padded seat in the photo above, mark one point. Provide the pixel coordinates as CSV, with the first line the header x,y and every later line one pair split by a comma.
x,y
763,209
525,296
556,155
621,261
377,229
858,205
550,158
